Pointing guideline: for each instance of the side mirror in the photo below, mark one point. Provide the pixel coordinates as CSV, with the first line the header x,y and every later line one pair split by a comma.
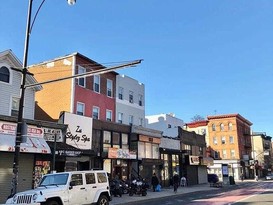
x,y
71,184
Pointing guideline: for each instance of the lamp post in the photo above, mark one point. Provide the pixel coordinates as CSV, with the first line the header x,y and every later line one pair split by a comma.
x,y
25,72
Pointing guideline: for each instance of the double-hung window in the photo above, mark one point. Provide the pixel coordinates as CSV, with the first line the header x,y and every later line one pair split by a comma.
x,y
140,100
81,81
120,93
15,106
96,112
108,115
109,88
131,96
120,117
80,108
96,85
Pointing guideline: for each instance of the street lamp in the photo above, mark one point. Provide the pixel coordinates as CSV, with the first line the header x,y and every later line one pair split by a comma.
x,y
25,72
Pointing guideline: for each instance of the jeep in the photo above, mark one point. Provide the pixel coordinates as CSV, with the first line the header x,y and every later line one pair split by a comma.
x,y
68,188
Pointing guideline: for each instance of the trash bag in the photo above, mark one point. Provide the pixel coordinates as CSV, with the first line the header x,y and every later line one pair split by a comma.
x,y
158,188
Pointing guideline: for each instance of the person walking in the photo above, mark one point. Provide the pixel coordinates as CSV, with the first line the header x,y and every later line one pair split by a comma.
x,y
183,181
155,181
175,182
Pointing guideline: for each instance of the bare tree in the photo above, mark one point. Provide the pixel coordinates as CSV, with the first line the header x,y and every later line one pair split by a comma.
x,y
197,118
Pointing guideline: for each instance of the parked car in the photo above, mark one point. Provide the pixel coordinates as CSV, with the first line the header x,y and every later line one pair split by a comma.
x,y
213,178
269,176
68,188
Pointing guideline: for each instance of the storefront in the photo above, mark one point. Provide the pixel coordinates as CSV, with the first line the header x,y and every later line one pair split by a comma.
x,y
146,142
32,149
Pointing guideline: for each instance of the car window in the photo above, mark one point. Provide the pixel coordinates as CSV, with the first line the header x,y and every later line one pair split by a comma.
x,y
102,178
77,178
90,178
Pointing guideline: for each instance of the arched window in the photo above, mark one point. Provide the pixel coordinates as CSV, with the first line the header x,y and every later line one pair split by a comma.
x,y
230,126
4,74
213,127
222,127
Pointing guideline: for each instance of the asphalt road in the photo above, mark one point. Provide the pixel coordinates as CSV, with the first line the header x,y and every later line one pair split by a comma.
x,y
253,193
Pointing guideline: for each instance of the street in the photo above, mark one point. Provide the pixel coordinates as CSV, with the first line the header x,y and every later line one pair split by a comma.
x,y
247,193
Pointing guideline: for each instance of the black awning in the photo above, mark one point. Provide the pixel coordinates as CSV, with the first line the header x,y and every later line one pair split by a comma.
x,y
63,149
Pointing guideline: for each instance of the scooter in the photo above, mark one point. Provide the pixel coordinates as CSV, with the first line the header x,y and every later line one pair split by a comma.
x,y
138,187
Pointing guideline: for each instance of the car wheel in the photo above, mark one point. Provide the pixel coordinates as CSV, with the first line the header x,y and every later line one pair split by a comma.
x,y
52,202
103,200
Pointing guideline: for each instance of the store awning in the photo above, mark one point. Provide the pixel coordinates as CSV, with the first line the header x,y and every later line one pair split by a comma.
x,y
32,144
64,149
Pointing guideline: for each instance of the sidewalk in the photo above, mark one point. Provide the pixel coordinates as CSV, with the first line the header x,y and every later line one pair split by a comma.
x,y
165,192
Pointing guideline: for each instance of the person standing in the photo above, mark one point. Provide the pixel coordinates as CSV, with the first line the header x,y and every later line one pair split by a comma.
x,y
155,181
175,182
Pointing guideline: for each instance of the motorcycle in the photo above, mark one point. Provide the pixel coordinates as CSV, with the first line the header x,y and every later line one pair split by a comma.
x,y
138,187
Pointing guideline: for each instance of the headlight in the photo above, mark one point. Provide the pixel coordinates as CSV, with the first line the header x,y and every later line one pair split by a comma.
x,y
35,196
14,198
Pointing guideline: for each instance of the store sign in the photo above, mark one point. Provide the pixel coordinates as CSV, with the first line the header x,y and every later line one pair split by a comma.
x,y
79,131
68,153
194,160
50,134
10,129
115,153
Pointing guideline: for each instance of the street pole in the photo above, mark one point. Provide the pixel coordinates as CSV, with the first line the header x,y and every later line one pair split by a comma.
x,y
18,139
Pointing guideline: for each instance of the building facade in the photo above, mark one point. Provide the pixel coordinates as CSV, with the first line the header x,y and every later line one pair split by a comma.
x,y
130,101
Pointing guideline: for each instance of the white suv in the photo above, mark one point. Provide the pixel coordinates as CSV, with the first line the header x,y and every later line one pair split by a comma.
x,y
68,188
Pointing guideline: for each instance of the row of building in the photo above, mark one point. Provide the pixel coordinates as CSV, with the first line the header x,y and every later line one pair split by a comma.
x,y
99,121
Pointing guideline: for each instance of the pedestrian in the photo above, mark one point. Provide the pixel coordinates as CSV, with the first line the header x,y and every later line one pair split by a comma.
x,y
242,177
175,182
155,181
183,181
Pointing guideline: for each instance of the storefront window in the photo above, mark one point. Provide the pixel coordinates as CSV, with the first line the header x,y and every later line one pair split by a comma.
x,y
106,140
155,151
148,150
116,140
124,141
141,150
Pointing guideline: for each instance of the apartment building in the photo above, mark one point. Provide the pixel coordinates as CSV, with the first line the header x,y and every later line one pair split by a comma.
x,y
130,101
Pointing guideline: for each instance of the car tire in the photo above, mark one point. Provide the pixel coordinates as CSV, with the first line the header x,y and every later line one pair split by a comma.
x,y
52,202
103,200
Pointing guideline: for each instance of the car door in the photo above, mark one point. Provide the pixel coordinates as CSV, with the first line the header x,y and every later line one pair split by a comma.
x,y
91,186
77,192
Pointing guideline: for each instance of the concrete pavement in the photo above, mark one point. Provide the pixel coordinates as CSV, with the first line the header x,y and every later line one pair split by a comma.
x,y
165,192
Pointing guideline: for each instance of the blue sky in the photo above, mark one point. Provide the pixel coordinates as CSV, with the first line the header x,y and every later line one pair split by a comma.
x,y
201,57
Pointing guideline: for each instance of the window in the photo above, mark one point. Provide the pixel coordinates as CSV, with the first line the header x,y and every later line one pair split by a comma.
x,y
140,100
216,155
116,140
96,112
223,140
215,140
109,88
213,127
120,117
200,150
106,140
80,108
4,74
169,126
231,139
120,93
222,127
77,178
108,115
140,121
90,178
230,126
15,106
96,85
224,152
102,178
81,81
131,119
124,141
232,154
131,96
